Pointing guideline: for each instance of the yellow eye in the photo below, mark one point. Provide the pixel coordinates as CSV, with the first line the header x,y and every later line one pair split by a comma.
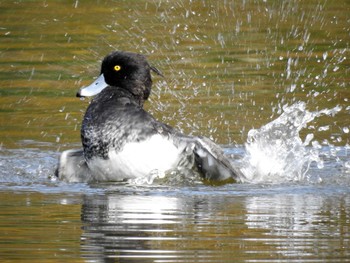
x,y
117,68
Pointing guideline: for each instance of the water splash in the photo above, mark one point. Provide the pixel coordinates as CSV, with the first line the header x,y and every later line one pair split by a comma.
x,y
276,153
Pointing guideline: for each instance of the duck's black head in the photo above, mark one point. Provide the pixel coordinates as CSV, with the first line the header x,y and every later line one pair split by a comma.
x,y
123,70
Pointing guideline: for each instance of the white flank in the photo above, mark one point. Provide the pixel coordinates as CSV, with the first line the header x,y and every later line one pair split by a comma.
x,y
138,159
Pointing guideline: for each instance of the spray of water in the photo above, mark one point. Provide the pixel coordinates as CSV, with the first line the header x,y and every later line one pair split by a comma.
x,y
276,153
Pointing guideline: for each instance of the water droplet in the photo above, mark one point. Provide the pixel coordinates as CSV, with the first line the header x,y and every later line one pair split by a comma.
x,y
320,164
323,128
347,164
292,87
325,54
308,139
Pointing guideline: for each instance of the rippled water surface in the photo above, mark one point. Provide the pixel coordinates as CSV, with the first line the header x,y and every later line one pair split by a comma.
x,y
269,80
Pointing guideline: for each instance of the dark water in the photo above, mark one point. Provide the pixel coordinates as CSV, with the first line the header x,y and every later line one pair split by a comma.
x,y
267,79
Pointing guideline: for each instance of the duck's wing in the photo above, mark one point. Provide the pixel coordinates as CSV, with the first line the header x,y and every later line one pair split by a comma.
x,y
72,167
212,162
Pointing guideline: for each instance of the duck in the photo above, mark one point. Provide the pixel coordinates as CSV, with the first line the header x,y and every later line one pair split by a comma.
x,y
121,141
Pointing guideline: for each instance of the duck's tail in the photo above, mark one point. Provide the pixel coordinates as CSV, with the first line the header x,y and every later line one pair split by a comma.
x,y
72,167
213,164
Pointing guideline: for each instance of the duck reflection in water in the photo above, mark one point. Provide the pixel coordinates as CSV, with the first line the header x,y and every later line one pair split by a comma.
x,y
144,228
125,227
